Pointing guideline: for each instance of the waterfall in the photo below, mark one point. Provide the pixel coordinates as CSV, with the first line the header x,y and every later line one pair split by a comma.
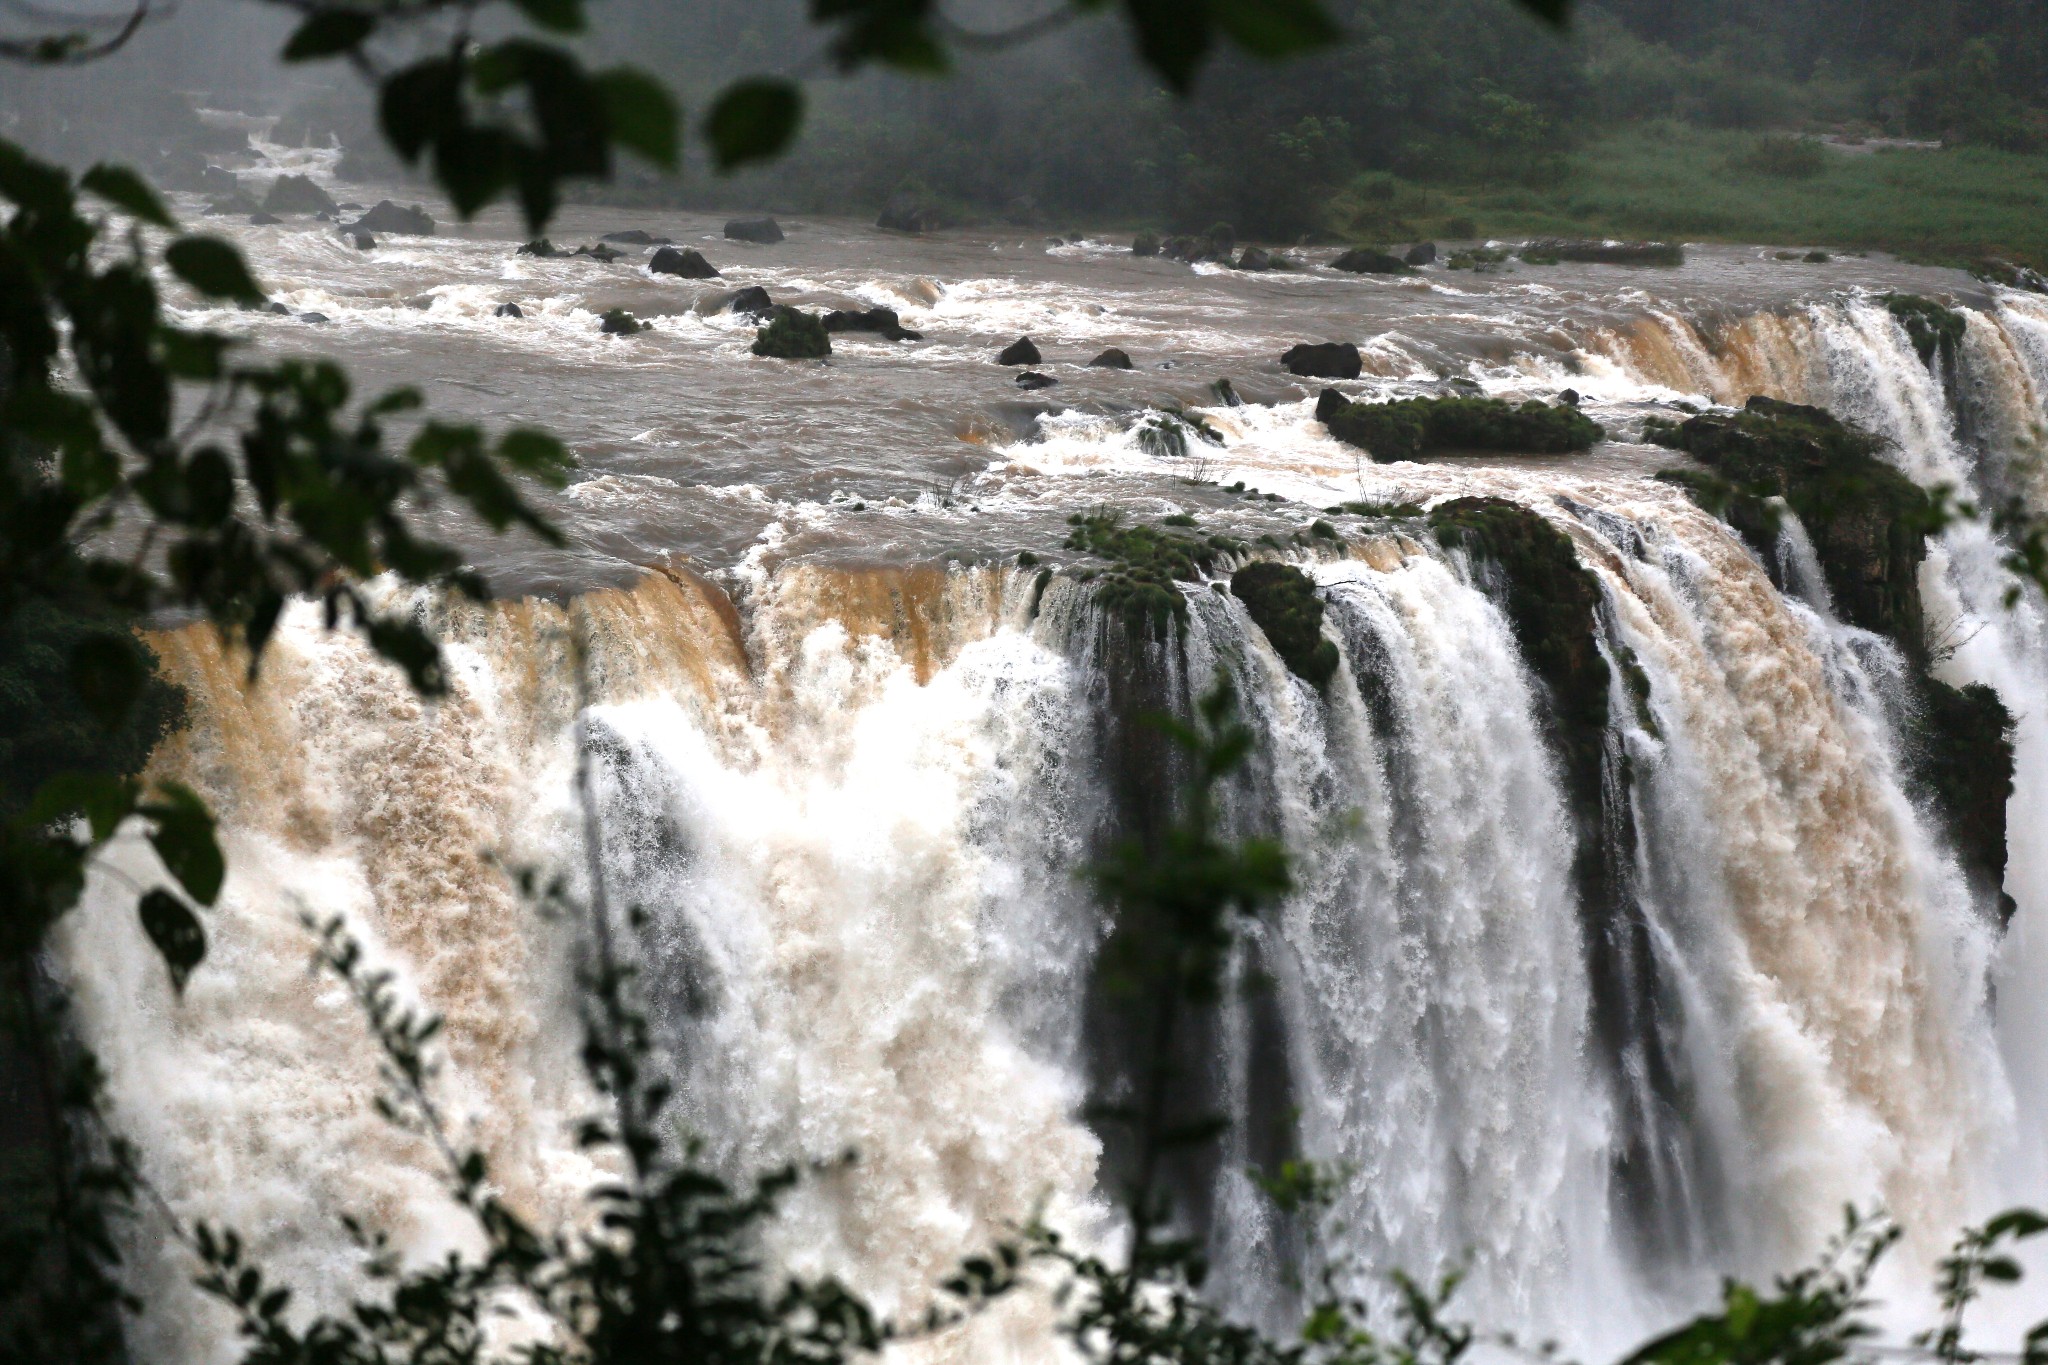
x,y
852,802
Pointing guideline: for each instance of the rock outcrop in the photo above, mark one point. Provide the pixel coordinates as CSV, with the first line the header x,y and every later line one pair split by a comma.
x,y
1323,360
297,194
762,231
388,217
881,321
685,262
792,335
1019,352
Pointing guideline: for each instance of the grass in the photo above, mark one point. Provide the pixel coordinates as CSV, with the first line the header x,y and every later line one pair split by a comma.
x,y
1666,180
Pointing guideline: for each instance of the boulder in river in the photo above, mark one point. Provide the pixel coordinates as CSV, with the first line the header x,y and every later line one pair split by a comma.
x,y
635,237
908,211
1365,260
363,241
1603,252
539,246
618,322
217,180
882,321
1254,258
1032,379
312,317
389,217
1019,352
763,231
600,253
1194,250
792,334
1145,244
297,194
687,262
510,310
1112,359
1422,253
1323,360
264,219
752,301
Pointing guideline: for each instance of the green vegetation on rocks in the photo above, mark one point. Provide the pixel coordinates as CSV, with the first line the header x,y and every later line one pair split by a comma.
x,y
619,322
1867,521
1145,562
1283,601
1408,427
1365,260
792,334
1934,328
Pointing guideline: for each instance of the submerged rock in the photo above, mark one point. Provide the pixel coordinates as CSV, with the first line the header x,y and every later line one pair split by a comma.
x,y
635,237
1408,427
882,321
539,246
618,322
363,241
687,262
1283,601
1255,258
389,217
1019,352
1323,360
509,310
1031,379
793,335
233,205
762,231
297,194
1365,260
264,219
1111,359
600,253
312,317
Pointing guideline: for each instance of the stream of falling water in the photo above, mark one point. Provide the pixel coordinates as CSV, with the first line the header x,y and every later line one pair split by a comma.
x,y
853,801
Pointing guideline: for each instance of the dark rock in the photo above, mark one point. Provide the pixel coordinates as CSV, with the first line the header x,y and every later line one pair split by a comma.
x,y
216,180
1194,250
1255,258
510,310
1422,253
1959,756
323,217
263,219
539,246
276,308
1031,379
1408,427
1867,521
389,217
348,207
1935,330
600,253
1283,601
1145,244
363,241
687,262
1112,359
1569,397
1323,360
297,194
1550,249
618,322
879,320
752,301
1364,260
635,237
765,231
312,317
1019,352
1226,394
909,211
793,335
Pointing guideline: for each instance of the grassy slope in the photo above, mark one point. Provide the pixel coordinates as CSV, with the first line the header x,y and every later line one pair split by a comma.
x,y
1664,180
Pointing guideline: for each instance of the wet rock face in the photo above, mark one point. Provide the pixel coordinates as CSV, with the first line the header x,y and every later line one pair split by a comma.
x,y
1867,521
688,262
1323,360
1019,352
761,231
753,301
1959,757
1283,601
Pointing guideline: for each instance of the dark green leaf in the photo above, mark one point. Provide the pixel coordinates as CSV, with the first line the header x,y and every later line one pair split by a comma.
x,y
2016,1223
1554,12
328,33
213,268
175,931
536,453
184,840
563,16
104,801
1173,37
107,673
1276,28
640,114
753,120
125,190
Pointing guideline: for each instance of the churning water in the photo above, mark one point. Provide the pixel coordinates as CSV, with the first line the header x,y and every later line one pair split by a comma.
x,y
849,757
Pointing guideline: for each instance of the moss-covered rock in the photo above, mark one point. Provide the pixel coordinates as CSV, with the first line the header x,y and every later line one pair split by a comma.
x,y
1283,601
792,334
1145,562
1934,329
1867,521
1366,260
618,322
1959,756
1408,427
1588,250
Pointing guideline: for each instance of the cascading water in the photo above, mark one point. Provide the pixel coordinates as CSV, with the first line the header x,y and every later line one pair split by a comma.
x,y
1599,1016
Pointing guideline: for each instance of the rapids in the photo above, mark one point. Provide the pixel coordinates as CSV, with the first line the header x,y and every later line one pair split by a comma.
x,y
849,756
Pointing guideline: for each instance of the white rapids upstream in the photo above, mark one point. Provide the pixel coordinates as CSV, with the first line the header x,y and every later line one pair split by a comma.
x,y
850,755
